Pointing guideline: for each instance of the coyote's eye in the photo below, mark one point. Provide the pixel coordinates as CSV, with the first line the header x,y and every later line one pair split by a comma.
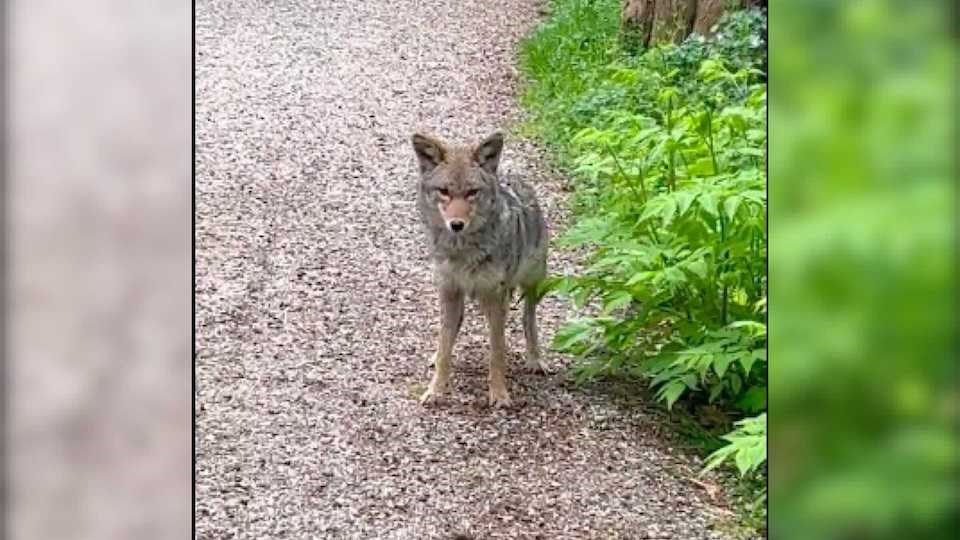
x,y
444,191
472,193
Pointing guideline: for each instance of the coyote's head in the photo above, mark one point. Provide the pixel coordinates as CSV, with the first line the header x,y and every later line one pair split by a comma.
x,y
460,182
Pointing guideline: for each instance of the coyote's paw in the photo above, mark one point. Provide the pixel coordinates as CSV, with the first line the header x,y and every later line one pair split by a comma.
x,y
499,398
534,364
430,397
434,390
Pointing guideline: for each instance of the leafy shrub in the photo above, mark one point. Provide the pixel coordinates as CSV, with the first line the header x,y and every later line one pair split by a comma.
x,y
667,149
748,443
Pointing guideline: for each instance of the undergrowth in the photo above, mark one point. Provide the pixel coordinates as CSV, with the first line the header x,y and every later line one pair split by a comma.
x,y
666,150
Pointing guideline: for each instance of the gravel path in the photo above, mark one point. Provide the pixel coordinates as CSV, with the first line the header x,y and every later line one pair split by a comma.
x,y
316,313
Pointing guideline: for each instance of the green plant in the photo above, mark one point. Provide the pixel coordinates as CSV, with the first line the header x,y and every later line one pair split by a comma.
x,y
673,201
667,149
747,445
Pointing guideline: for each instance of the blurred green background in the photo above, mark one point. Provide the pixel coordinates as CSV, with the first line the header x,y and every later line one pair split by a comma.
x,y
863,396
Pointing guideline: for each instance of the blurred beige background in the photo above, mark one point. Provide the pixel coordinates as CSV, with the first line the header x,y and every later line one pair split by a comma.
x,y
99,330
99,283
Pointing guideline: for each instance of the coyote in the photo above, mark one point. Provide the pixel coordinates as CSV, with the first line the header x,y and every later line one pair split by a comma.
x,y
487,238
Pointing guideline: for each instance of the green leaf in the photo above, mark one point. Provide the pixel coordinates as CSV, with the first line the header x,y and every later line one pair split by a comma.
x,y
684,200
735,383
701,167
671,392
756,328
651,208
756,135
739,296
581,295
588,230
709,203
625,76
744,461
667,95
572,334
736,117
747,151
674,276
585,135
663,376
637,278
669,208
730,206
617,300
711,70
550,284
747,443
717,458
754,195
722,362
698,267
753,400
748,359
715,390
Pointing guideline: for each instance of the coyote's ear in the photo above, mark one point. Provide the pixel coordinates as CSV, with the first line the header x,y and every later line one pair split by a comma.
x,y
487,154
430,152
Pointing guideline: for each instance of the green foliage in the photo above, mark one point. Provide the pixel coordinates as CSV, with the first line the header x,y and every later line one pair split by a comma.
x,y
748,445
863,191
667,148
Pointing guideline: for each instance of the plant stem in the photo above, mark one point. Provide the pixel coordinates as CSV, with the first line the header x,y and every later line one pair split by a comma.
x,y
720,267
624,174
723,312
673,175
713,154
756,257
643,186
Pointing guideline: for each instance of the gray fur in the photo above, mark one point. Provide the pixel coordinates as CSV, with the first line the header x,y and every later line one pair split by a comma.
x,y
506,248
502,248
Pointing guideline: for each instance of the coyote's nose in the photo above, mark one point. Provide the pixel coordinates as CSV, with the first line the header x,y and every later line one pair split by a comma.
x,y
456,225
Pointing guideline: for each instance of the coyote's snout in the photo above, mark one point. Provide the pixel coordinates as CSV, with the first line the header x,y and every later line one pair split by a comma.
x,y
456,208
488,237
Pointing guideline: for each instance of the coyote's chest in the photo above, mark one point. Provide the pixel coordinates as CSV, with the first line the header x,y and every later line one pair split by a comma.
x,y
480,274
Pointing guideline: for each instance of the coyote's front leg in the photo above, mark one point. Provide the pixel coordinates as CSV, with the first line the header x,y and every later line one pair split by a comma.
x,y
495,308
451,317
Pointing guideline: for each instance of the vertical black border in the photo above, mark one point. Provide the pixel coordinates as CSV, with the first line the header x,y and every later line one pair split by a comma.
x,y
193,269
766,317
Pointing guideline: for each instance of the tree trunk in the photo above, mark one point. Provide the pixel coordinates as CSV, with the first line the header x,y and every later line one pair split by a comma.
x,y
649,22
673,20
636,21
708,13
